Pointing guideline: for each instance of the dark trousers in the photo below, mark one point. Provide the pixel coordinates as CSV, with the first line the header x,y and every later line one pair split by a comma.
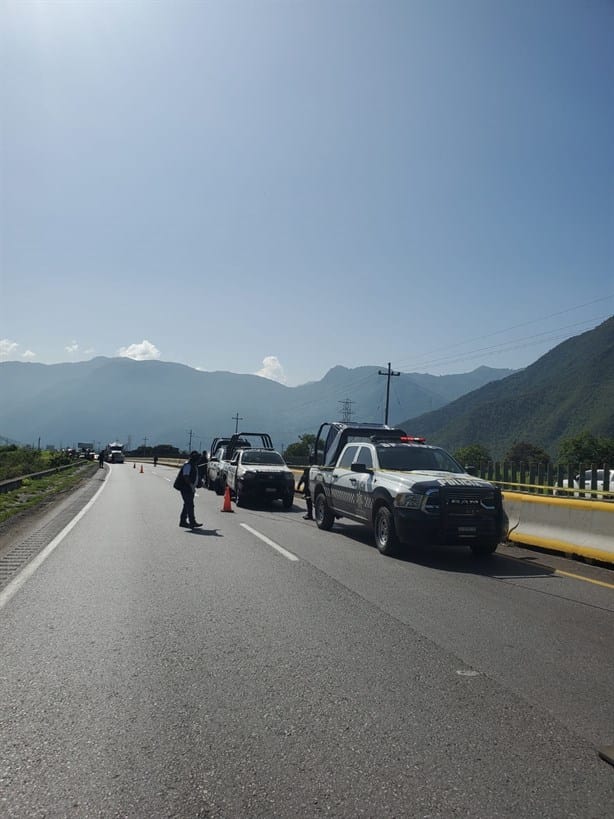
x,y
187,513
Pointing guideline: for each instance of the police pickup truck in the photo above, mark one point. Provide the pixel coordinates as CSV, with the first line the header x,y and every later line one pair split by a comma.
x,y
260,474
404,490
250,467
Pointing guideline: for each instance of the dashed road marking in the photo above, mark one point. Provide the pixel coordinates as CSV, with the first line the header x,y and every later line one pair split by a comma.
x,y
270,542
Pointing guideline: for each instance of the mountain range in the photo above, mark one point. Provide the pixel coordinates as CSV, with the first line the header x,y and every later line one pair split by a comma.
x,y
109,399
568,391
565,392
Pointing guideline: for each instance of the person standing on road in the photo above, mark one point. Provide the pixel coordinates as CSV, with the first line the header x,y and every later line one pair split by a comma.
x,y
188,480
304,482
101,459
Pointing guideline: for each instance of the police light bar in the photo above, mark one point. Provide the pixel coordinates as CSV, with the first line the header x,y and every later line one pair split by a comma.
x,y
412,439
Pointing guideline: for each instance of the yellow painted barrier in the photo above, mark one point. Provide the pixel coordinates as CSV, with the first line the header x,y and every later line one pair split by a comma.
x,y
568,525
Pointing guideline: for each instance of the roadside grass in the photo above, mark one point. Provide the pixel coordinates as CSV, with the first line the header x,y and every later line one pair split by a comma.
x,y
36,492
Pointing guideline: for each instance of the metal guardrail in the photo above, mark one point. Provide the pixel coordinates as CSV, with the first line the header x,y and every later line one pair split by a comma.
x,y
15,483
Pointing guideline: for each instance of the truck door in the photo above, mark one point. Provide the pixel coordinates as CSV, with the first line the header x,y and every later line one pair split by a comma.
x,y
343,487
363,485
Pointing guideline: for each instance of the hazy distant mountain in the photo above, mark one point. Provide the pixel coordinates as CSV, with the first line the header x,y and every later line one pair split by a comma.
x,y
567,391
120,399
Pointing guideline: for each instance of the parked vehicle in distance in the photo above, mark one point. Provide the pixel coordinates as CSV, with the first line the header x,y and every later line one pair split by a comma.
x,y
260,474
115,453
214,472
586,490
406,491
217,443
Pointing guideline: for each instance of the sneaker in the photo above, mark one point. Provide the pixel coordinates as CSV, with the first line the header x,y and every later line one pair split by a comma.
x,y
184,524
195,525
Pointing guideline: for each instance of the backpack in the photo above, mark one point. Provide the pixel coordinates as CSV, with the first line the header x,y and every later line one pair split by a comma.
x,y
179,482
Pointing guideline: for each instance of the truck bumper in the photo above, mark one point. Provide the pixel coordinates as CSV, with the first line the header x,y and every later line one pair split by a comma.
x,y
419,528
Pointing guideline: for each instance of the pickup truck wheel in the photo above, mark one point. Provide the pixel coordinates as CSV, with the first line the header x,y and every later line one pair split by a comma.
x,y
288,500
386,538
323,515
483,549
219,486
239,497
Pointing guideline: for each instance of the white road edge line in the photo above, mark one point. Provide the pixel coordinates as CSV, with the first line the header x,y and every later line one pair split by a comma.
x,y
28,570
270,542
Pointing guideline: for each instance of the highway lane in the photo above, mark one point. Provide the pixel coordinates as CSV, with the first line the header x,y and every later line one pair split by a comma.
x,y
153,671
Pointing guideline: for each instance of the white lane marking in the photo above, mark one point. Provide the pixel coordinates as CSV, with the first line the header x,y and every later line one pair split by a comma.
x,y
26,573
464,672
270,542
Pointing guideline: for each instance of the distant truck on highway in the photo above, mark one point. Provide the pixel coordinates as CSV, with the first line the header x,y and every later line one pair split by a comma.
x,y
115,453
404,490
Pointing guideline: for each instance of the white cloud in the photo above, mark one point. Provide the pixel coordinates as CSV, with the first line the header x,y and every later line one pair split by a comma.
x,y
72,348
272,368
7,347
145,351
28,354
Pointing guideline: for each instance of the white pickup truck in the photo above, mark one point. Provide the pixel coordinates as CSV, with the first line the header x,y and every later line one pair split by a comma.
x,y
402,489
260,474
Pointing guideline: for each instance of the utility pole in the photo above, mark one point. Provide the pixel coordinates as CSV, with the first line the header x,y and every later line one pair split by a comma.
x,y
237,418
145,442
190,442
346,410
388,373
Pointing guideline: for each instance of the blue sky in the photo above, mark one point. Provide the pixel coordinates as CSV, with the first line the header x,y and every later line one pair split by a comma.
x,y
280,187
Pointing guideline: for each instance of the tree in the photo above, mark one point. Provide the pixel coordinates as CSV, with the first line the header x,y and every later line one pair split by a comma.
x,y
586,448
526,453
472,455
301,448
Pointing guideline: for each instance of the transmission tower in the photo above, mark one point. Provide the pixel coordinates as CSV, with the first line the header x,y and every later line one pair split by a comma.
x,y
346,410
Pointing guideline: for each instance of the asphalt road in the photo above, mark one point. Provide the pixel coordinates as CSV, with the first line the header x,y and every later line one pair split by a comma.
x,y
280,671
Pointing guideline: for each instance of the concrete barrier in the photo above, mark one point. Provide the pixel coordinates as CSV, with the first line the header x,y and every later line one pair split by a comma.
x,y
572,526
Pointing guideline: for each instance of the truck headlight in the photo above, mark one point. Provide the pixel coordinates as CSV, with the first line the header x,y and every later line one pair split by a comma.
x,y
408,500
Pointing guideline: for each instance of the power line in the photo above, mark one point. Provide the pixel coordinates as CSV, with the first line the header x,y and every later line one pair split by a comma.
x,y
508,346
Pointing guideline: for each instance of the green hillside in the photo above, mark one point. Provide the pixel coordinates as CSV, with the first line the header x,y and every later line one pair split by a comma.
x,y
567,391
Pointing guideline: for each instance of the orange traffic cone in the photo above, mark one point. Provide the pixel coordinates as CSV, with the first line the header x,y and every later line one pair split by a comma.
x,y
142,470
227,507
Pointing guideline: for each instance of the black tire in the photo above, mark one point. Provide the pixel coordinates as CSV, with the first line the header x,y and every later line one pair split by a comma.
x,y
218,486
288,500
239,500
323,515
484,549
384,532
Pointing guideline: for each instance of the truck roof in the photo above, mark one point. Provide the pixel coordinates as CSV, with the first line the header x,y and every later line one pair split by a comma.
x,y
334,435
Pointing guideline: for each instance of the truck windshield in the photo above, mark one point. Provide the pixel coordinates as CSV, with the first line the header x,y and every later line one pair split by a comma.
x,y
408,458
262,458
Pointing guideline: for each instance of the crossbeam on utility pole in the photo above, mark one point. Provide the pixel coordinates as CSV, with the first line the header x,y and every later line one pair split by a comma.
x,y
389,373
236,418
